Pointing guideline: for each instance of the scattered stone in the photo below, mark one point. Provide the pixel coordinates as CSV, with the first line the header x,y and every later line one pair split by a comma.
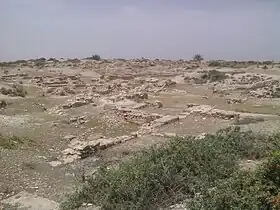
x,y
206,110
102,90
79,120
166,83
234,100
93,137
165,120
151,80
55,163
25,200
137,117
156,103
137,96
249,165
170,135
201,136
69,137
83,149
140,106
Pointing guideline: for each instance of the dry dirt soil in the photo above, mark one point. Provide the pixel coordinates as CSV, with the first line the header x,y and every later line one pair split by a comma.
x,y
78,114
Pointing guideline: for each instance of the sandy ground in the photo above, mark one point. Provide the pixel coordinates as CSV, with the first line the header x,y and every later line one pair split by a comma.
x,y
116,108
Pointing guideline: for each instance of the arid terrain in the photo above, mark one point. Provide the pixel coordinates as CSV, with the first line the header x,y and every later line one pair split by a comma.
x,y
61,119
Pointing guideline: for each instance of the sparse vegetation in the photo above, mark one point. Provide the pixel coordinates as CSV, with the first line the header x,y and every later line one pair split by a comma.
x,y
232,64
19,90
267,62
75,60
52,59
17,62
214,76
94,57
3,104
40,64
183,169
29,165
12,142
98,115
198,57
13,63
245,189
16,90
214,64
40,60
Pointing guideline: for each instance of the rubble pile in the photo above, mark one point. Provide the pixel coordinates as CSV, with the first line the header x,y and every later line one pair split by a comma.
x,y
62,85
82,149
255,85
267,90
60,91
206,110
234,100
137,117
249,78
15,77
78,101
79,120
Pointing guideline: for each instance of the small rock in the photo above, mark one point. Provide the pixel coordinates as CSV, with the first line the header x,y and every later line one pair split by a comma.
x,y
165,120
93,137
201,136
69,137
139,106
170,134
55,163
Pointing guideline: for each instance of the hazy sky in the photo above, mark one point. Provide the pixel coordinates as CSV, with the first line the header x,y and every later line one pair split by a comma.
x,y
173,29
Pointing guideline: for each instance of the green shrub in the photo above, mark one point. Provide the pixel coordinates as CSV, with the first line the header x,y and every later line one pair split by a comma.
x,y
265,67
172,173
214,64
3,104
40,60
19,90
40,64
198,57
214,76
75,60
267,62
16,90
12,142
4,91
53,60
271,170
19,62
94,57
271,173
244,190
